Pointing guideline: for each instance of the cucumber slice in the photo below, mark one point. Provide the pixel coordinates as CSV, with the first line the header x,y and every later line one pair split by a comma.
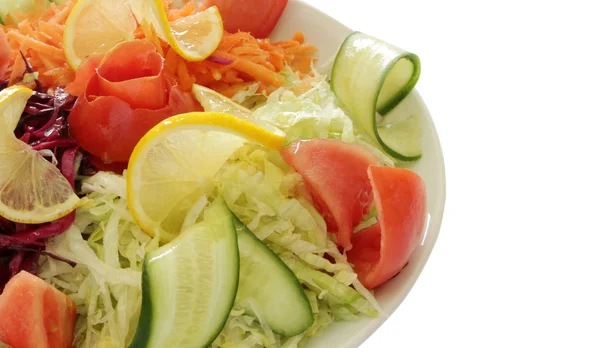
x,y
189,285
371,76
268,283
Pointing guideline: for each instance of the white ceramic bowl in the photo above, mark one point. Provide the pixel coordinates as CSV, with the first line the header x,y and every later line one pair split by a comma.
x,y
327,35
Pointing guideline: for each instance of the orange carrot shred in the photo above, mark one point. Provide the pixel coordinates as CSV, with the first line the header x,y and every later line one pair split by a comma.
x,y
240,60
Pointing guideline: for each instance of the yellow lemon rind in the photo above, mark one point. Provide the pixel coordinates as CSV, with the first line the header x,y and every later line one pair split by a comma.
x,y
165,27
213,120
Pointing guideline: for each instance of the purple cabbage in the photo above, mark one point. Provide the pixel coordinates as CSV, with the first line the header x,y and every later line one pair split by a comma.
x,y
44,126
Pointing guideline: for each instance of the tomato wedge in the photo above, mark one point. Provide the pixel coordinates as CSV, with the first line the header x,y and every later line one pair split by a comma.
x,y
258,17
335,174
33,314
381,251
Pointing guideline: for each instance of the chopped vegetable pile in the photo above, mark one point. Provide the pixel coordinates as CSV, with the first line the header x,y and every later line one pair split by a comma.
x,y
43,126
172,177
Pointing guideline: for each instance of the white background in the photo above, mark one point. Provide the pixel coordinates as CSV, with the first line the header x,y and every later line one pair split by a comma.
x,y
514,90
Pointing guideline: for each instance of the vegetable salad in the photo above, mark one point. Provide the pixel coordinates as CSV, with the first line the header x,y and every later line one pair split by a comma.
x,y
181,180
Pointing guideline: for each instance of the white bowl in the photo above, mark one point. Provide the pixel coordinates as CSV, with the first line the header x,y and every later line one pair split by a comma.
x,y
327,34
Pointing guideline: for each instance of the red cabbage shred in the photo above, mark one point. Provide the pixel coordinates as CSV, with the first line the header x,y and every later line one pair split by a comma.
x,y
44,126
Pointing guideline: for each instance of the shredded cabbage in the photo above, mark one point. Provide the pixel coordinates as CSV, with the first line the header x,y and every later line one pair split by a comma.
x,y
265,194
263,191
315,113
109,249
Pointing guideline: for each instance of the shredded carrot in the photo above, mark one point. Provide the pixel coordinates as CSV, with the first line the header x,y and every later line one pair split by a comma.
x,y
186,81
18,69
39,36
240,60
252,60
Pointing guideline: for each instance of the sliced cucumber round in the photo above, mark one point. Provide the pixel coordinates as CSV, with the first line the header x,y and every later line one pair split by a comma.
x,y
189,285
268,286
370,76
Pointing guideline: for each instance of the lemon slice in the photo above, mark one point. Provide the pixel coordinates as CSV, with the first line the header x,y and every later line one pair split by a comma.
x,y
173,165
213,101
96,26
32,190
12,103
194,37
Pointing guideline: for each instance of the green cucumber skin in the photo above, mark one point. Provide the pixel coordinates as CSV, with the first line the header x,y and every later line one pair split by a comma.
x,y
142,334
247,239
390,104
142,338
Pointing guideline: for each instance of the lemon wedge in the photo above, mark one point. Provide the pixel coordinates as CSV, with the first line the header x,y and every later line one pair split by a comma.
x,y
94,27
213,101
32,190
194,37
173,165
12,103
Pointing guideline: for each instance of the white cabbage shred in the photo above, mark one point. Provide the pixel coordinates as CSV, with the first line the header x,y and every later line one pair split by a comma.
x,y
265,194
109,249
263,191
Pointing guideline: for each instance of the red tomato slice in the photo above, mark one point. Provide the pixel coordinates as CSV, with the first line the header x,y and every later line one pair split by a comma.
x,y
34,314
258,17
109,128
115,167
335,174
5,54
84,74
133,72
381,251
122,95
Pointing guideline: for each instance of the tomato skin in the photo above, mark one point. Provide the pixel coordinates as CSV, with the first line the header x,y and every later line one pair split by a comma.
x,y
84,74
335,174
134,73
58,322
381,251
115,167
122,96
109,128
34,314
258,17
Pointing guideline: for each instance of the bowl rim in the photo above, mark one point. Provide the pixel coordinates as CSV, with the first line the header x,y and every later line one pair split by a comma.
x,y
435,215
